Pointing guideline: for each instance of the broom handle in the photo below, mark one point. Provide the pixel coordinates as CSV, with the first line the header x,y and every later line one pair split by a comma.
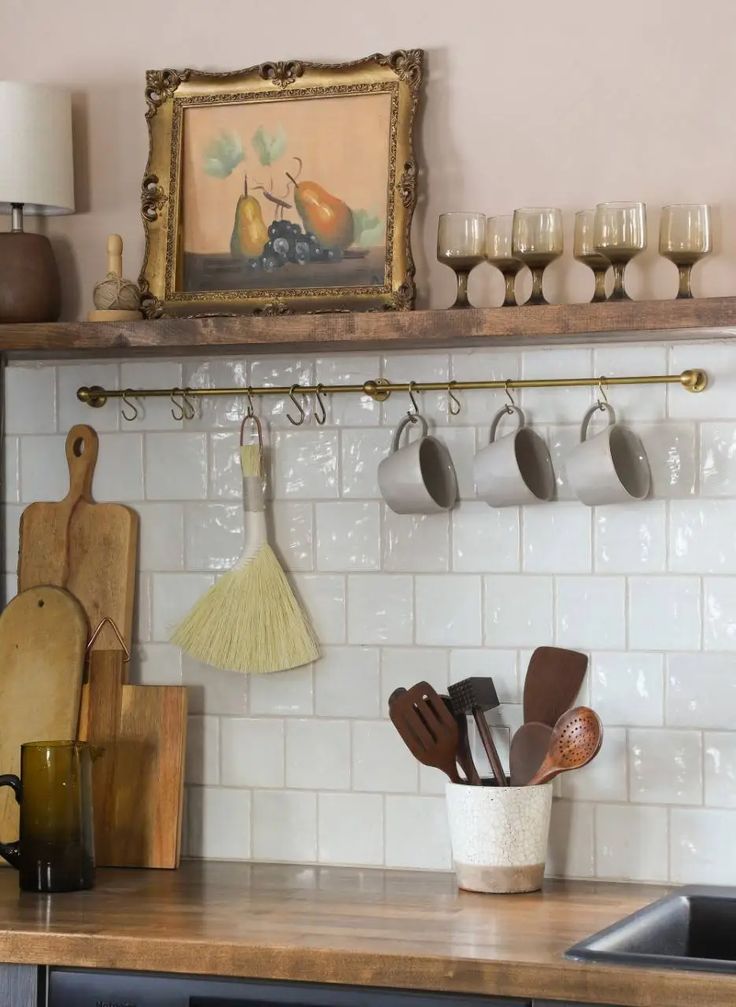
x,y
488,744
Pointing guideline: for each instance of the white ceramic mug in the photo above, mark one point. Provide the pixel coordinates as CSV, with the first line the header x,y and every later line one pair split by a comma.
x,y
610,467
418,478
515,469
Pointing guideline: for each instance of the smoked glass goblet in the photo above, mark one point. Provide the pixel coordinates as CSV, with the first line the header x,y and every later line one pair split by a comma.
x,y
461,246
498,253
685,237
537,241
620,233
584,251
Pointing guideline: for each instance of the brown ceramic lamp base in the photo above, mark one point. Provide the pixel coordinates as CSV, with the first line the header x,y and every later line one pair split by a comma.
x,y
30,287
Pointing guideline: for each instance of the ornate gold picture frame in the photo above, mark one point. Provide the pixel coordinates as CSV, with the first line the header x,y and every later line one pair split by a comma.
x,y
283,187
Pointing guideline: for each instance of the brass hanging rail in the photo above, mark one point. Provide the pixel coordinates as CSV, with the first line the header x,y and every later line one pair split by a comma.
x,y
692,380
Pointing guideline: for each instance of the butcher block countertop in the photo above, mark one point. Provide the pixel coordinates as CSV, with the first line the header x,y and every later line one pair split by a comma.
x,y
343,925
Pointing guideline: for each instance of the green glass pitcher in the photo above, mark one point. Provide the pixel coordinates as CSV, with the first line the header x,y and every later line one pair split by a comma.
x,y
55,852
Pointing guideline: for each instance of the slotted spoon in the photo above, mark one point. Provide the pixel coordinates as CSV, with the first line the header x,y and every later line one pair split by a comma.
x,y
576,739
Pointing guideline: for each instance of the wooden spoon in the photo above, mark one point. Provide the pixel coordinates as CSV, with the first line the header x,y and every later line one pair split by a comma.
x,y
576,739
529,746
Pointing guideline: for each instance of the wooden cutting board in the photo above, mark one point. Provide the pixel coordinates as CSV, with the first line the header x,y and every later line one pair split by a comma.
x,y
43,634
85,547
142,765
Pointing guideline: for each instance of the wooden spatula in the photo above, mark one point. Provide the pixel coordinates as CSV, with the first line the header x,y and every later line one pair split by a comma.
x,y
85,547
552,683
43,634
427,727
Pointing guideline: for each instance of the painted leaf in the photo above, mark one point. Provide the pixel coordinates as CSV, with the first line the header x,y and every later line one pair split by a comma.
x,y
223,154
269,146
368,228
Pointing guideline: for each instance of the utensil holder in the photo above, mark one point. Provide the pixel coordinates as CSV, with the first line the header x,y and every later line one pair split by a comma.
x,y
499,836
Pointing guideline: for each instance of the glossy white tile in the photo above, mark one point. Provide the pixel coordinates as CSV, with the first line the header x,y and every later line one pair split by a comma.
x,y
673,461
156,664
161,533
44,473
720,768
176,466
323,596
318,754
153,414
225,473
702,536
348,535
664,613
631,842
347,682
701,691
417,833
518,610
210,690
220,410
485,539
571,851
252,752
701,846
213,536
631,539
556,405
561,440
173,596
281,370
591,612
282,693
719,361
407,367
203,750
361,451
720,613
284,825
11,514
415,543
218,823
718,459
349,369
70,377
603,779
380,608
305,464
10,473
381,762
448,610
631,402
403,666
460,442
351,829
557,538
665,766
292,522
501,665
628,688
30,400
478,408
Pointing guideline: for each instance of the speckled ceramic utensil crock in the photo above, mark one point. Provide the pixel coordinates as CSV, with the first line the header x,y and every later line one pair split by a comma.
x,y
499,836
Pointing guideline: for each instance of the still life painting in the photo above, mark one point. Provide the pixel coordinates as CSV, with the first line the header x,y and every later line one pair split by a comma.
x,y
285,187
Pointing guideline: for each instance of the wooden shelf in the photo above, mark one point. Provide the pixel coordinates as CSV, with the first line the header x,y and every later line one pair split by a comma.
x,y
328,333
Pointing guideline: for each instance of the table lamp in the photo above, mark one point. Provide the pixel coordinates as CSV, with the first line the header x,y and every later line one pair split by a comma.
x,y
36,177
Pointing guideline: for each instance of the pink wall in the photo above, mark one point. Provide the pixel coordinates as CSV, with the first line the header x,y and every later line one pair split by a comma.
x,y
529,103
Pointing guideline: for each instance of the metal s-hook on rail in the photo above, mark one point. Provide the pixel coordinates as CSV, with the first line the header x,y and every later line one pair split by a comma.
x,y
379,389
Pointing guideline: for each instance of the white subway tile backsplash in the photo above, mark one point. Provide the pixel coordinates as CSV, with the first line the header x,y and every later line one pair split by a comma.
x,y
284,825
417,834
318,754
518,610
173,596
673,458
415,543
556,405
590,612
380,608
460,442
252,752
631,842
631,539
210,690
156,664
348,535
10,472
70,377
719,361
11,514
701,691
701,846
281,370
628,688
153,414
219,823
571,851
361,451
213,535
221,410
203,750
630,404
401,367
702,536
349,369
44,473
347,682
293,533
225,472
478,408
351,829
720,768
448,610
665,766
323,596
30,400
176,466
282,693
604,779
501,665
720,613
485,538
161,533
305,464
403,666
381,762
557,538
718,459
561,440
664,613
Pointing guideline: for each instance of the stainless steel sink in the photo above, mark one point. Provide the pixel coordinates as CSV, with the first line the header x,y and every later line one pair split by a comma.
x,y
693,928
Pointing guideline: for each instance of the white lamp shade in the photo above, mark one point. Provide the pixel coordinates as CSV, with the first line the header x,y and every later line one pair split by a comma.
x,y
36,162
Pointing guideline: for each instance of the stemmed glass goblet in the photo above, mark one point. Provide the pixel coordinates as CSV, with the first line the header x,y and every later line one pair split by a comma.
x,y
537,241
620,233
499,254
584,251
461,246
684,238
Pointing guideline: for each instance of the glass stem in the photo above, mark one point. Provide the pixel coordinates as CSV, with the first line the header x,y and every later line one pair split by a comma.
x,y
619,290
684,287
461,301
537,294
599,294
510,293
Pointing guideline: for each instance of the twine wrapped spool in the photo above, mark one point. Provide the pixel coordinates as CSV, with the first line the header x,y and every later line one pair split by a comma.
x,y
115,298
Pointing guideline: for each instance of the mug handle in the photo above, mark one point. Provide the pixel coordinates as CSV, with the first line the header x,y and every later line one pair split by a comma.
x,y
11,851
605,407
409,418
506,411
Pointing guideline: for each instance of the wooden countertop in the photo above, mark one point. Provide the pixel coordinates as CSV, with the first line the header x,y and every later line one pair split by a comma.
x,y
344,925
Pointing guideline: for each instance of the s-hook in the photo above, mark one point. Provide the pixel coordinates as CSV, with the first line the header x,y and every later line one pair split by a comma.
x,y
602,397
250,417
510,406
453,402
321,416
125,400
299,406
414,411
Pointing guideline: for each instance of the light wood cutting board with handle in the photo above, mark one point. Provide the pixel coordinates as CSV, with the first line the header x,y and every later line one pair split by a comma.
x,y
86,547
43,635
140,764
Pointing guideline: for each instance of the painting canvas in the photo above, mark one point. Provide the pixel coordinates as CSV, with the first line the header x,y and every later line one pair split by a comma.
x,y
284,187
286,195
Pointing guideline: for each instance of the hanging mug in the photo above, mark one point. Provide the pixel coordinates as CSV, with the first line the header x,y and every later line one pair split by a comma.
x,y
515,469
418,478
610,467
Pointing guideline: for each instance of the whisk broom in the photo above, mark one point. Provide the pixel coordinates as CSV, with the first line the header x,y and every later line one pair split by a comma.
x,y
250,620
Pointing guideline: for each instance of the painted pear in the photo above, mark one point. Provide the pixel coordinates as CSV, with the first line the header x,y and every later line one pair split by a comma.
x,y
250,234
327,217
